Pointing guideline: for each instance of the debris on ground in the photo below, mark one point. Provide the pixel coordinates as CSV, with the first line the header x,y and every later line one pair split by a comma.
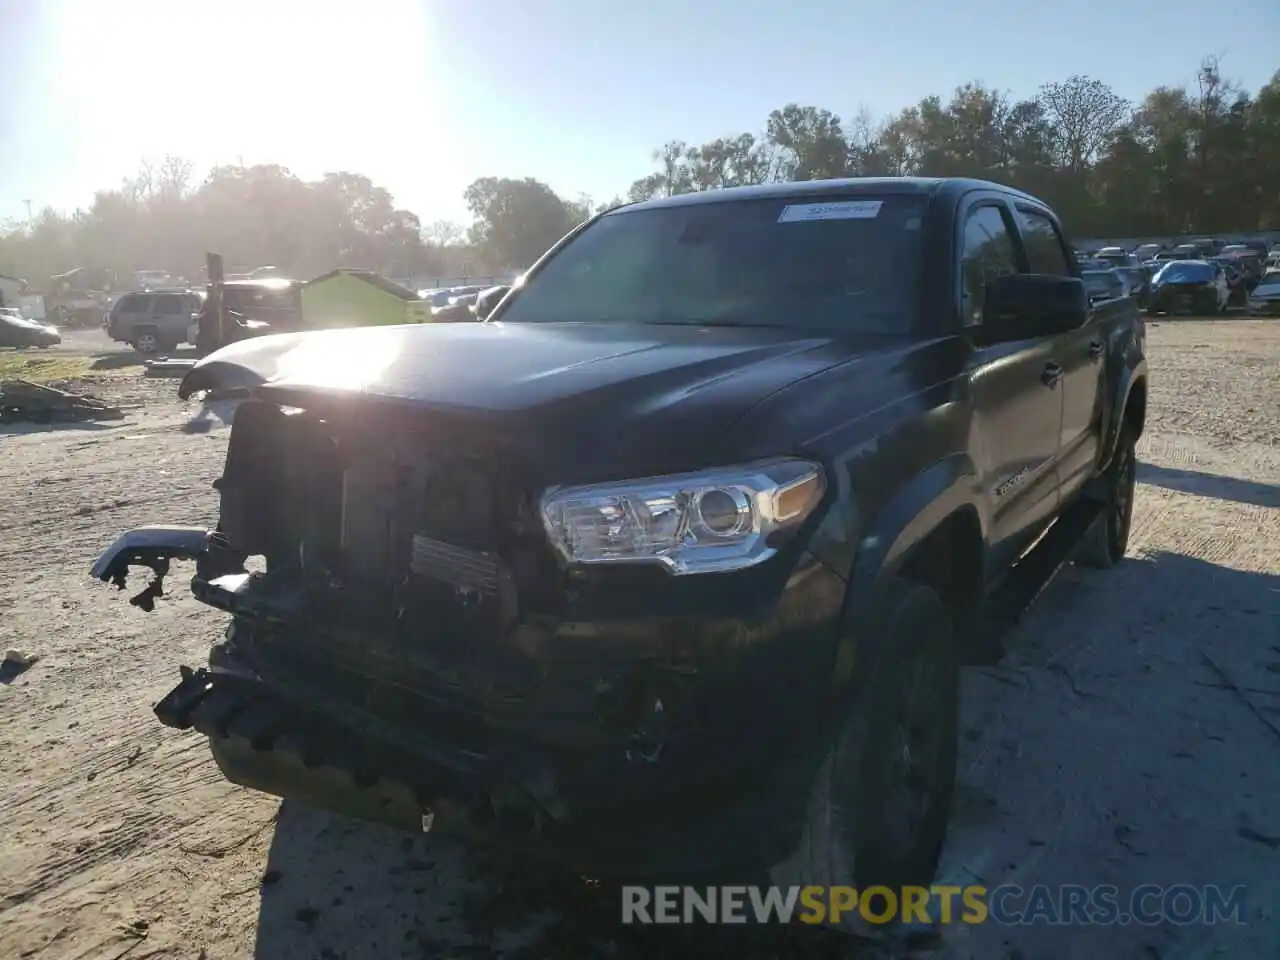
x,y
21,658
165,367
15,662
37,403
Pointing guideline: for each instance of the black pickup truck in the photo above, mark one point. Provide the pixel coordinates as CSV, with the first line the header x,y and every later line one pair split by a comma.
x,y
669,566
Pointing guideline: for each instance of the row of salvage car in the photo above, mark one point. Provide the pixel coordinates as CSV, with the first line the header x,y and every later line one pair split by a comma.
x,y
1205,277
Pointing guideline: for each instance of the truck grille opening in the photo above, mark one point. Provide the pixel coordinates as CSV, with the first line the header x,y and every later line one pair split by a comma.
x,y
367,520
387,524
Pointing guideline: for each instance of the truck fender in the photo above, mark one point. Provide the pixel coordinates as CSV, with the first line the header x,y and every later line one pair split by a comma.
x,y
1121,393
919,507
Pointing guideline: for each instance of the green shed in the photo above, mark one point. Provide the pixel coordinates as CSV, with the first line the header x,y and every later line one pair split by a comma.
x,y
358,298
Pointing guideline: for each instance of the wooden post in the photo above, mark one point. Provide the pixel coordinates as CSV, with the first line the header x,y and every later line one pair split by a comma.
x,y
213,267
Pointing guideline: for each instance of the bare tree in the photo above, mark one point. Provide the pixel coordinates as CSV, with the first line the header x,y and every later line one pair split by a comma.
x,y
443,233
173,179
1085,114
141,186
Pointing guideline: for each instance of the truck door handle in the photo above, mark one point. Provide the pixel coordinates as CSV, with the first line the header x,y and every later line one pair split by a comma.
x,y
1051,374
1095,349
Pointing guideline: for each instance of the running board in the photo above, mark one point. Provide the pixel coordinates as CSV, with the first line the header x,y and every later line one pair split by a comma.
x,y
983,639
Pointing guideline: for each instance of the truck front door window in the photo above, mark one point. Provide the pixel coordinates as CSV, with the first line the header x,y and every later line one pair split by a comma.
x,y
988,253
1045,251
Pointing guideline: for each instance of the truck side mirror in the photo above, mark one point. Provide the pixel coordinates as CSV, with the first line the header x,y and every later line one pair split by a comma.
x,y
1021,306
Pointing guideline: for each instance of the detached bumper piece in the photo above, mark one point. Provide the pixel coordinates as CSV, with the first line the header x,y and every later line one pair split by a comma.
x,y
153,548
264,740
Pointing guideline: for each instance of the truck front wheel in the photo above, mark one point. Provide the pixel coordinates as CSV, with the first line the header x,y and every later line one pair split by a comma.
x,y
878,808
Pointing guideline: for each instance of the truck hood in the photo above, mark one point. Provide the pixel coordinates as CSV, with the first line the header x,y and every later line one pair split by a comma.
x,y
623,388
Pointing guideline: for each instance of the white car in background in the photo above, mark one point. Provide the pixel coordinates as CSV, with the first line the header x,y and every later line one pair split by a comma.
x,y
21,332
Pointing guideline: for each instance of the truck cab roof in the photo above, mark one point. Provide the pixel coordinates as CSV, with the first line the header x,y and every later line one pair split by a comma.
x,y
851,187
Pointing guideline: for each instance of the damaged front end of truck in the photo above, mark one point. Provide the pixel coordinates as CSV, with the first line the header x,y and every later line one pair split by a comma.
x,y
406,645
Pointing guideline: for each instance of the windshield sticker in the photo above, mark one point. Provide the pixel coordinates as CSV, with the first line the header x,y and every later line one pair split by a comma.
x,y
847,210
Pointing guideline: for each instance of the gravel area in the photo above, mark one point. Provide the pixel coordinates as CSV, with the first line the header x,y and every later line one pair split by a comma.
x,y
1107,748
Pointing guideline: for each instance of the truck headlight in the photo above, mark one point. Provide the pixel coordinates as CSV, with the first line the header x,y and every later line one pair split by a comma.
x,y
717,520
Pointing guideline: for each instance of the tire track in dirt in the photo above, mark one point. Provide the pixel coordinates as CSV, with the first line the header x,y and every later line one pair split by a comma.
x,y
112,843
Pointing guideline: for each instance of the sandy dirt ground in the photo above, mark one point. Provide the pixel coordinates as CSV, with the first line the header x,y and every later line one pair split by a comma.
x,y
1131,736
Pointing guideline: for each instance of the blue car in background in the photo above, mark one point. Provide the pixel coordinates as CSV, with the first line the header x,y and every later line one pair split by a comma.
x,y
1189,287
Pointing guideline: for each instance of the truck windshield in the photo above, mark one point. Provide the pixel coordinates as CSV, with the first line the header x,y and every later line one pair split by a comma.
x,y
850,264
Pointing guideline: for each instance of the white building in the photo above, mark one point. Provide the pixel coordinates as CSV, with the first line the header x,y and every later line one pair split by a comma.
x,y
11,291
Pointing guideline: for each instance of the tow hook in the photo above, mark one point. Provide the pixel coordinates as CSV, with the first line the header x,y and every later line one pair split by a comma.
x,y
646,743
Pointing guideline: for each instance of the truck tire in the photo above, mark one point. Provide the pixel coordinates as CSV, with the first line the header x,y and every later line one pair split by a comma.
x,y
878,807
1107,540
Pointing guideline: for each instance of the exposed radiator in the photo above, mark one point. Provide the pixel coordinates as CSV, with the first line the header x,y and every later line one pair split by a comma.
x,y
458,567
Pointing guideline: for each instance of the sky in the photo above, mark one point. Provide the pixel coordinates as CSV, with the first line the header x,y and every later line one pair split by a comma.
x,y
424,96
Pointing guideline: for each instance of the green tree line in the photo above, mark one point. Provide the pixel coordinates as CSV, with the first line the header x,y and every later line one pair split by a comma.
x,y
1198,159
1201,158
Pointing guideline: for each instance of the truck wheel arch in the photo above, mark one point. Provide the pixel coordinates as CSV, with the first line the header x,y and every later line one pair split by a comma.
x,y
1130,411
939,508
1134,412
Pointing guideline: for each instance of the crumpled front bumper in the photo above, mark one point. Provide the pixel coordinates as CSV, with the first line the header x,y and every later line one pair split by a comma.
x,y
269,731
1182,298
262,739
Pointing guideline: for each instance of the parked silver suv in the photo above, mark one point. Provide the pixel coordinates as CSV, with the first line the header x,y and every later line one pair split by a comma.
x,y
153,322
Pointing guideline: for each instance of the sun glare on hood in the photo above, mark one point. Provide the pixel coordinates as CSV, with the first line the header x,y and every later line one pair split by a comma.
x,y
344,359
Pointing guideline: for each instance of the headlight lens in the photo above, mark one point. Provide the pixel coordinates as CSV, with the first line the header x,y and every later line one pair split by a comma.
x,y
710,521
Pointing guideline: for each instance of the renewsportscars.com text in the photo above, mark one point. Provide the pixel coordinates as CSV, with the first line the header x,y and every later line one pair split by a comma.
x,y
1064,905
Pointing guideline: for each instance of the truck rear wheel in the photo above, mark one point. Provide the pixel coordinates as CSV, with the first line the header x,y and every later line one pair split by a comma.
x,y
1107,540
878,808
